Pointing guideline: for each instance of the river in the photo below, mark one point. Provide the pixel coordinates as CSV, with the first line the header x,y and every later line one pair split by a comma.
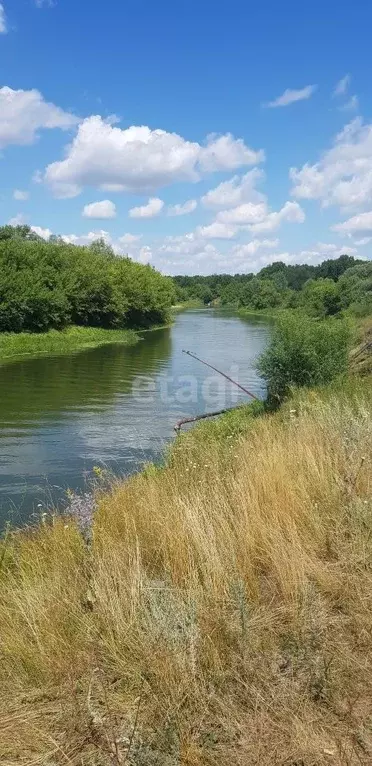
x,y
114,406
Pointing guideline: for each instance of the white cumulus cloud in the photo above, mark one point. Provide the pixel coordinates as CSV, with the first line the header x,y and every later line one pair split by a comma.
x,y
43,233
343,175
227,153
291,212
3,24
235,191
216,230
358,224
187,207
23,113
258,219
20,195
103,209
290,96
248,213
138,159
252,247
152,209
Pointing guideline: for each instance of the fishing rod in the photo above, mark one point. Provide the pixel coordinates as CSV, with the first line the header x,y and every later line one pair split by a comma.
x,y
234,382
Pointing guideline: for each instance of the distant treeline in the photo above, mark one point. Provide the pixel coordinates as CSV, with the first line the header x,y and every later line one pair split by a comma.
x,y
328,289
45,285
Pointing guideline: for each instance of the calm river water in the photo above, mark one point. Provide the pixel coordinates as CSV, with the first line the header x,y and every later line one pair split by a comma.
x,y
114,406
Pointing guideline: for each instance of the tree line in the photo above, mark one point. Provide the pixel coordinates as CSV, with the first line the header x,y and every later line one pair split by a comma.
x,y
45,285
328,289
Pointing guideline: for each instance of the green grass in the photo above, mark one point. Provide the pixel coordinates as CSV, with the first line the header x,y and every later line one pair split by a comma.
x,y
14,345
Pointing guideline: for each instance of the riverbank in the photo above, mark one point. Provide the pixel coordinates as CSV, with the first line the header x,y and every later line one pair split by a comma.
x,y
17,345
191,304
222,612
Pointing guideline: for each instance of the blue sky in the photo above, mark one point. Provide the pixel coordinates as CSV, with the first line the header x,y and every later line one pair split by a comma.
x,y
196,136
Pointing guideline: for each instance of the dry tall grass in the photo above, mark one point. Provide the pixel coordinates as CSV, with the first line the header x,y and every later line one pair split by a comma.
x,y
222,615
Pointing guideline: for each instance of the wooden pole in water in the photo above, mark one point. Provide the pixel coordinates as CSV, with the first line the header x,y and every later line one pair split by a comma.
x,y
183,422
234,382
180,423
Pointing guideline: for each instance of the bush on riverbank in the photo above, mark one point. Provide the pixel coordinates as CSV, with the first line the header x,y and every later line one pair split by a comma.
x,y
45,285
222,614
304,352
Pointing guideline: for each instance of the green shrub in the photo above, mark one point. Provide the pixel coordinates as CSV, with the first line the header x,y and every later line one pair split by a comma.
x,y
303,352
321,298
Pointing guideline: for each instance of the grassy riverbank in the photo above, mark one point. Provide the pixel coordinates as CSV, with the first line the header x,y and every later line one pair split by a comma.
x,y
221,615
15,345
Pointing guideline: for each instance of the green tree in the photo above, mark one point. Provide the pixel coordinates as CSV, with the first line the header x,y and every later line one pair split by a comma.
x,y
355,287
52,284
260,294
18,232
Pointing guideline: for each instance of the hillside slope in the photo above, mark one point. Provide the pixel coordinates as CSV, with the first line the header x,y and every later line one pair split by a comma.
x,y
222,613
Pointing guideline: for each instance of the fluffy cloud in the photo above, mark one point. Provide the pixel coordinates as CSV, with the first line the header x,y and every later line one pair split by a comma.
x,y
129,239
187,207
138,159
236,191
3,24
44,233
216,230
24,112
152,209
359,224
342,86
343,176
227,153
20,195
251,248
103,209
249,213
291,212
291,96
87,239
258,219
